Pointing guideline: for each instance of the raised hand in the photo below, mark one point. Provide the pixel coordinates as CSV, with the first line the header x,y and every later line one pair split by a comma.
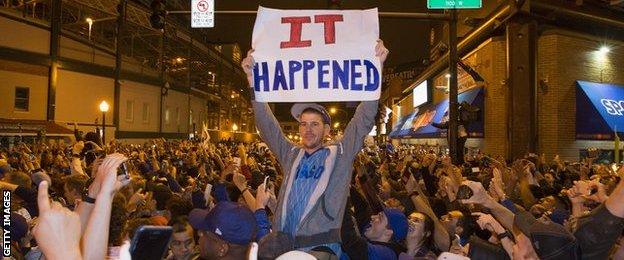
x,y
262,197
58,229
381,51
111,183
247,64
480,196
487,222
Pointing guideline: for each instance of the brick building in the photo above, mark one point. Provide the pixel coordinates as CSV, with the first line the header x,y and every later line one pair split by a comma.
x,y
528,69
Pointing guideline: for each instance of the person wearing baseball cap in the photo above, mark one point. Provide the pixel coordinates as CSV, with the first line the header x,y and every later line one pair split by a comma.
x,y
382,238
225,232
536,239
548,239
313,194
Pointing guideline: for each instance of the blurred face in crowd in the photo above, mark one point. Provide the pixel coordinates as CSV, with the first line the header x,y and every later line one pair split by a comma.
x,y
183,244
544,204
450,221
417,232
212,246
385,189
548,177
209,245
312,130
379,229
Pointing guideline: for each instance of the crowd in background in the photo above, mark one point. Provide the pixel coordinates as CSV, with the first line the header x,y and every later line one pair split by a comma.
x,y
70,201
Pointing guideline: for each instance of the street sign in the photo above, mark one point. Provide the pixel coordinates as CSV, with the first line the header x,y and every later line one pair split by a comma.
x,y
454,4
202,13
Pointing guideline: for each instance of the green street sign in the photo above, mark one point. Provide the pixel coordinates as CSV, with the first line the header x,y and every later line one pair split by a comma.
x,y
453,4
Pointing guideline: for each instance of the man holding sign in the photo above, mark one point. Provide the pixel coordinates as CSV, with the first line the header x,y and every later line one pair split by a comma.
x,y
314,56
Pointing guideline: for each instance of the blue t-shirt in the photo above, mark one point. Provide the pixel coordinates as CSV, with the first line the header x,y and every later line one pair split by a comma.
x,y
307,175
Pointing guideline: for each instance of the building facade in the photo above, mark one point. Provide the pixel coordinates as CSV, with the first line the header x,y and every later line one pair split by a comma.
x,y
530,70
62,76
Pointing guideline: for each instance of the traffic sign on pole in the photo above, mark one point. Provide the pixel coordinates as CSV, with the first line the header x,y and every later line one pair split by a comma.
x,y
202,13
454,4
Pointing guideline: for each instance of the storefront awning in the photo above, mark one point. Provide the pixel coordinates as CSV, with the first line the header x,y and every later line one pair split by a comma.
x,y
418,124
25,127
599,110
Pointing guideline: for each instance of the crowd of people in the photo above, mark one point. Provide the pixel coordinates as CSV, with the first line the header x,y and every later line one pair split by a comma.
x,y
321,198
70,201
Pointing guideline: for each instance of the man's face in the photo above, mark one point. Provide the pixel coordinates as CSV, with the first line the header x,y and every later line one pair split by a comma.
x,y
378,227
312,130
549,179
450,221
544,204
416,228
183,244
208,245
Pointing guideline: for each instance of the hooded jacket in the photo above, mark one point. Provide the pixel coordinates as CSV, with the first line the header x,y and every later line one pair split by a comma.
x,y
322,217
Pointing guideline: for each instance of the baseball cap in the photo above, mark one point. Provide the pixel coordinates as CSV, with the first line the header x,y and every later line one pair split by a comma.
x,y
549,239
231,221
451,256
398,223
298,108
298,255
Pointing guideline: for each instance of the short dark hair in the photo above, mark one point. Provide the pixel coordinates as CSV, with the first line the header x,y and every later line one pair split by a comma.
x,y
314,111
180,224
178,206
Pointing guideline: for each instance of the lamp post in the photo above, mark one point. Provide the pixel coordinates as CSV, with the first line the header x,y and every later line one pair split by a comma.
x,y
334,111
104,108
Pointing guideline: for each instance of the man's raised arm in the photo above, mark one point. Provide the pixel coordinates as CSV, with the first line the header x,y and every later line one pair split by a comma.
x,y
364,117
270,130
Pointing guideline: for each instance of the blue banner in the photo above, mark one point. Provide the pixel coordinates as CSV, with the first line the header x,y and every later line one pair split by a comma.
x,y
418,124
599,110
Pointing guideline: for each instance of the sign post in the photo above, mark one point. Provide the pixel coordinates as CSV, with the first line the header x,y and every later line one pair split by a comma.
x,y
454,4
202,14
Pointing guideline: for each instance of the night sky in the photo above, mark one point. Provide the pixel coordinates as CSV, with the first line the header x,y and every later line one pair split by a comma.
x,y
406,39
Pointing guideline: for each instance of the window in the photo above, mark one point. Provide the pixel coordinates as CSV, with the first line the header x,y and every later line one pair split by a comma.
x,y
146,113
129,110
167,115
22,94
420,94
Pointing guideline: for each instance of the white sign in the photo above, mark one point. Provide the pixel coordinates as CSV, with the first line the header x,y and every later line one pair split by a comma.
x,y
316,55
420,95
202,13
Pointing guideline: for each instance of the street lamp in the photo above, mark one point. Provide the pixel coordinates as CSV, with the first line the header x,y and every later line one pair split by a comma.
x,y
234,127
104,108
89,21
